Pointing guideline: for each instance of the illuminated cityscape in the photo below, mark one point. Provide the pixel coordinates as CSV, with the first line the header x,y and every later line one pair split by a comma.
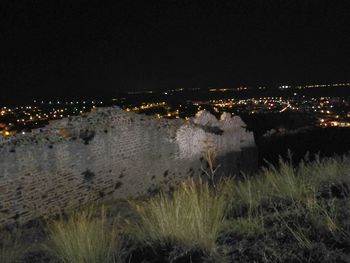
x,y
325,111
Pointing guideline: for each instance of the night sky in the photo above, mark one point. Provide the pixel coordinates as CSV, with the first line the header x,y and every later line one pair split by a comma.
x,y
84,48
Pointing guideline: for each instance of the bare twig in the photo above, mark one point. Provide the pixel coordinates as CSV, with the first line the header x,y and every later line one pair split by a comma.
x,y
209,155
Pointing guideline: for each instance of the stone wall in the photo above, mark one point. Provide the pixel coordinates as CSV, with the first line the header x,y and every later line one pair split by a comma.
x,y
112,153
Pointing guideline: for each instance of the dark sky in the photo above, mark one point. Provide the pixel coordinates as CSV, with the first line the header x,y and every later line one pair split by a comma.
x,y
67,48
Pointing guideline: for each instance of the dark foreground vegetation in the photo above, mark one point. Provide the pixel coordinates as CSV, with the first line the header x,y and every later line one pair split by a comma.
x,y
285,213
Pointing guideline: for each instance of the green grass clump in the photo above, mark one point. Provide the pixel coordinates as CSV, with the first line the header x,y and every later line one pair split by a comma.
x,y
192,217
286,182
324,215
250,192
85,238
326,170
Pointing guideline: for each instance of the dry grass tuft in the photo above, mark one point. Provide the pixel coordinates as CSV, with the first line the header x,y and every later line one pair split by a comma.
x,y
86,237
192,217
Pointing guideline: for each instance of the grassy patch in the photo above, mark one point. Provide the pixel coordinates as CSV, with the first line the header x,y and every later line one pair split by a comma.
x,y
296,213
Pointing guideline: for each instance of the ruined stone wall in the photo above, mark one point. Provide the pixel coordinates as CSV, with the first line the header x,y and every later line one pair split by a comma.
x,y
111,153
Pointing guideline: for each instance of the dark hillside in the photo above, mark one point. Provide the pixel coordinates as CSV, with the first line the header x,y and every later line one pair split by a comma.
x,y
325,141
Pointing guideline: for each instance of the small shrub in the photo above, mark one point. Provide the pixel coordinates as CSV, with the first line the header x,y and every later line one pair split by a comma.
x,y
85,238
209,154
